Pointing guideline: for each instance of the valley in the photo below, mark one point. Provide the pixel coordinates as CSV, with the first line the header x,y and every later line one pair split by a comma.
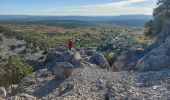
x,y
104,63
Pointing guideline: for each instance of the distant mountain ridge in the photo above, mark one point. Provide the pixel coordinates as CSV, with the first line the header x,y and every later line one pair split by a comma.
x,y
88,18
122,19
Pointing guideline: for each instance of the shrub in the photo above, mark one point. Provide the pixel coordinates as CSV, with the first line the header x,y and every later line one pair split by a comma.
x,y
2,72
112,56
15,70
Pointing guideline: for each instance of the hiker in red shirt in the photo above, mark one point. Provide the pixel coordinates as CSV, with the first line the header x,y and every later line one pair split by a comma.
x,y
70,43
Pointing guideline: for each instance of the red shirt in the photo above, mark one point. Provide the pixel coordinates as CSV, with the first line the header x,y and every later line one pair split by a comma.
x,y
70,43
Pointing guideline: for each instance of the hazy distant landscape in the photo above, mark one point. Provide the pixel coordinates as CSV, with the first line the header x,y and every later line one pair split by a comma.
x,y
31,41
52,31
85,50
137,20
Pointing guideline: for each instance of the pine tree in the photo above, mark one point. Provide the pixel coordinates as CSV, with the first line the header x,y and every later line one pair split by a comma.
x,y
161,12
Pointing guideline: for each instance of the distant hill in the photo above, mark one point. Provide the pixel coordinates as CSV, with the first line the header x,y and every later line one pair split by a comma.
x,y
122,19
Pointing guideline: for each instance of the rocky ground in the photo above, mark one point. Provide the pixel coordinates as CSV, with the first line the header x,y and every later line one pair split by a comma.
x,y
89,80
6,51
96,84
85,74
7,42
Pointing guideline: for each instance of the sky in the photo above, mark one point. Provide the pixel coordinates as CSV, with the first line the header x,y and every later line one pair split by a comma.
x,y
76,7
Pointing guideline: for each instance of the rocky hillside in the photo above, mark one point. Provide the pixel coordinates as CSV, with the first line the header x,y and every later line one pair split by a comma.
x,y
95,84
159,56
153,58
85,74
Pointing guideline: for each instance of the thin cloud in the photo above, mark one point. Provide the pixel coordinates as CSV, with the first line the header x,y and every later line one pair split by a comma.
x,y
116,8
117,4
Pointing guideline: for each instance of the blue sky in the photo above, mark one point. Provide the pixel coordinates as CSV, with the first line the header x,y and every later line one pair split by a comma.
x,y
76,7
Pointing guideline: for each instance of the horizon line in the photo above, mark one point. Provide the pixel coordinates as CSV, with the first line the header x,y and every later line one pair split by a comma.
x,y
73,15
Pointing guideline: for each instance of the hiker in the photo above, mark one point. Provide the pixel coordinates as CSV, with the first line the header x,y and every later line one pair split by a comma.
x,y
70,43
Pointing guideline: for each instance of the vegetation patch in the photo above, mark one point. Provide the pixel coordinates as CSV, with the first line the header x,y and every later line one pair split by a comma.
x,y
13,71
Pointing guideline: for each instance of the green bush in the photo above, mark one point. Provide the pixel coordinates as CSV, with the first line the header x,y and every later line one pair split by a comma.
x,y
2,72
112,56
14,70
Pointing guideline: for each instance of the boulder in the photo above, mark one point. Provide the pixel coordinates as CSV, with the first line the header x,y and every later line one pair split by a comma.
x,y
66,56
63,69
77,60
2,93
77,63
127,60
100,60
70,56
77,56
22,96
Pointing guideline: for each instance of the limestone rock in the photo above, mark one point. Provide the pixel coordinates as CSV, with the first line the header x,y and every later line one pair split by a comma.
x,y
77,60
100,60
159,57
2,93
71,56
12,89
156,59
62,69
67,56
127,60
